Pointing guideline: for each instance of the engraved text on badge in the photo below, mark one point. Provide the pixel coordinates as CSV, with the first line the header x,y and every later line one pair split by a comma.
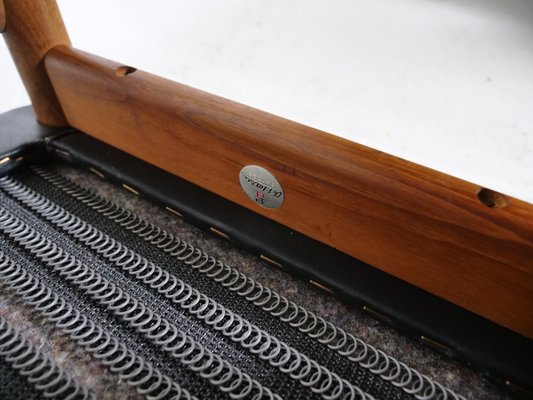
x,y
261,186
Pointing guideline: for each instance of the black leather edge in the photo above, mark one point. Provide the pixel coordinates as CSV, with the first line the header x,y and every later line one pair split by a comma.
x,y
500,353
22,138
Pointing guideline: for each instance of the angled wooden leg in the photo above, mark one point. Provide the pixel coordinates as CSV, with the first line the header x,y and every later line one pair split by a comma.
x,y
31,29
2,17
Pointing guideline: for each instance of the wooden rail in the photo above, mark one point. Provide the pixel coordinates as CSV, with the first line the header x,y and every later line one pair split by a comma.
x,y
467,244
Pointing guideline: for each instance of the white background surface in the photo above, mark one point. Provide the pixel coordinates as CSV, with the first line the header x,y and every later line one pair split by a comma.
x,y
446,84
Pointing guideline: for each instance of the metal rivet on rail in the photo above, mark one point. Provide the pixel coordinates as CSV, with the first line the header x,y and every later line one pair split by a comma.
x,y
218,233
97,173
435,344
376,315
271,261
516,388
177,213
64,153
130,189
321,287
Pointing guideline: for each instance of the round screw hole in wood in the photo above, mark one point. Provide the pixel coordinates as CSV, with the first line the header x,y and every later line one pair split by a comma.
x,y
125,70
491,199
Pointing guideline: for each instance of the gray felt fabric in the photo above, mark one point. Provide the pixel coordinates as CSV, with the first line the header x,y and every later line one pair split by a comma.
x,y
457,377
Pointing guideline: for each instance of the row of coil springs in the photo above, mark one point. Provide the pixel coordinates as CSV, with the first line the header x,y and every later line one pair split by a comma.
x,y
112,353
219,372
346,344
38,368
288,360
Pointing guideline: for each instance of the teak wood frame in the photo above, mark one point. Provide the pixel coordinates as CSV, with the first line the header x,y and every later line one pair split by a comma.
x,y
464,243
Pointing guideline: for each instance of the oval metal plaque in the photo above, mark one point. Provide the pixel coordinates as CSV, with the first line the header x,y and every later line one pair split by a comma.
x,y
261,186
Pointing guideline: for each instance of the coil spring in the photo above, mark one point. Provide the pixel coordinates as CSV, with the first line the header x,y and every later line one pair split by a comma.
x,y
310,374
111,352
40,370
346,344
228,378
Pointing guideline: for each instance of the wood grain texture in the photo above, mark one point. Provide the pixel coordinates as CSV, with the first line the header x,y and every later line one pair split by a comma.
x,y
32,28
420,225
2,17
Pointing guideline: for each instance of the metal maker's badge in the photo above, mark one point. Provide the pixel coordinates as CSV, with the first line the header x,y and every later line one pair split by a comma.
x,y
261,186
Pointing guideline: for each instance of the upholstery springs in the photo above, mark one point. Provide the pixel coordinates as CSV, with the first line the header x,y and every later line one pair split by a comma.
x,y
226,377
39,369
346,344
111,352
219,372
